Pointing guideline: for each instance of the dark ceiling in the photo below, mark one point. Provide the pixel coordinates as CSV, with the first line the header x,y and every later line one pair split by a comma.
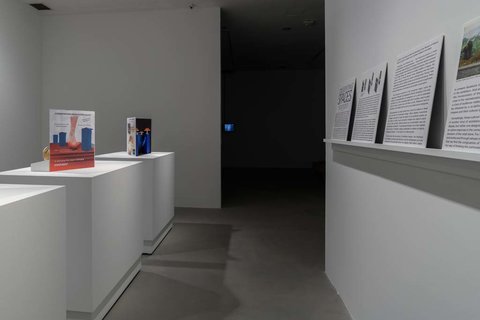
x,y
256,34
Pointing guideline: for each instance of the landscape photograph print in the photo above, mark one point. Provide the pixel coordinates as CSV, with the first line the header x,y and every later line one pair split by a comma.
x,y
469,64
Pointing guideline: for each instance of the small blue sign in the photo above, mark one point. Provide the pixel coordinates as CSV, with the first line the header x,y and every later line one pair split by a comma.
x,y
229,127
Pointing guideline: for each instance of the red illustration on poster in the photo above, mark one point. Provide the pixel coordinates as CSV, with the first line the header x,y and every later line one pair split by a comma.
x,y
72,139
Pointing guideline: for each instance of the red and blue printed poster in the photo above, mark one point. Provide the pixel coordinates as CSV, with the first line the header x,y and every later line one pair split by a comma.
x,y
72,139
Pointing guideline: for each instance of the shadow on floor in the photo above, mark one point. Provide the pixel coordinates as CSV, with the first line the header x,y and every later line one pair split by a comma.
x,y
152,297
195,237
183,278
261,257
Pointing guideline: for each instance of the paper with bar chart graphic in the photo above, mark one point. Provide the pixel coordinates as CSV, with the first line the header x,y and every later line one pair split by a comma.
x,y
72,139
369,101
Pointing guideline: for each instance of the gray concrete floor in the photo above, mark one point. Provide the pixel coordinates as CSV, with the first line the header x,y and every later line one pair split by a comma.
x,y
260,257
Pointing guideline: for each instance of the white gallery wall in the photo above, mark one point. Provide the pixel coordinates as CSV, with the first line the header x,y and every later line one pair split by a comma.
x,y
402,242
278,118
164,65
20,84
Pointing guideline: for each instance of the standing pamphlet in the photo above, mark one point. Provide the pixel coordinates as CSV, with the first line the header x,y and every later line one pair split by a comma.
x,y
139,136
72,139
414,84
462,132
369,101
344,111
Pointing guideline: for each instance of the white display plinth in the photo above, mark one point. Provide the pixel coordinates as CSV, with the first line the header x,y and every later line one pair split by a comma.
x,y
158,180
104,231
32,247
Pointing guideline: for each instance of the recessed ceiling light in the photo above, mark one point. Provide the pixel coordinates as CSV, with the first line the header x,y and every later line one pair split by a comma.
x,y
40,6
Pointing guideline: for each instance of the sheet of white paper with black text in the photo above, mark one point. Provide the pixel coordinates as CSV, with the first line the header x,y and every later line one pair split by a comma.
x,y
369,100
462,131
414,84
344,111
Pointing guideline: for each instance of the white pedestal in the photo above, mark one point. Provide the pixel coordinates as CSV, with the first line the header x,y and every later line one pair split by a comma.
x,y
104,231
158,180
32,247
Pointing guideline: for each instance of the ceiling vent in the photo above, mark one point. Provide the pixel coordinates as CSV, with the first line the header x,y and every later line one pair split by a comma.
x,y
40,6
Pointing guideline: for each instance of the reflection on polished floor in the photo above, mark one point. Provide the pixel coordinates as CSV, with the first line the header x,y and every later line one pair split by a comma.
x,y
261,257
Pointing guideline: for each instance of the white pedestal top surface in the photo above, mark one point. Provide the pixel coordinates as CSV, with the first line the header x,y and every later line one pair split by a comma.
x,y
101,167
10,193
125,155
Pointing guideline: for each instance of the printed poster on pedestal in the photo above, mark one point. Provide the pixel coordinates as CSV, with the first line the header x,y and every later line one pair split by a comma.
x,y
72,139
139,136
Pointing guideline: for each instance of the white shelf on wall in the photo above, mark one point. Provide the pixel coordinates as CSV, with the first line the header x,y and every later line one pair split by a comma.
x,y
452,162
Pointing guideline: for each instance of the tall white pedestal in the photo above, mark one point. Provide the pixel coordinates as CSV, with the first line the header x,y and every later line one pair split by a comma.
x,y
104,231
32,247
158,181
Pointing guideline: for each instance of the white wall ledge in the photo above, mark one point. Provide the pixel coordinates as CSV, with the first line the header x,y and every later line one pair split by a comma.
x,y
451,162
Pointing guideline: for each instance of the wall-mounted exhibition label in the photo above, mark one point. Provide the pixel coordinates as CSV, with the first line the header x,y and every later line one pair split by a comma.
x,y
72,139
369,101
414,84
344,111
462,132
